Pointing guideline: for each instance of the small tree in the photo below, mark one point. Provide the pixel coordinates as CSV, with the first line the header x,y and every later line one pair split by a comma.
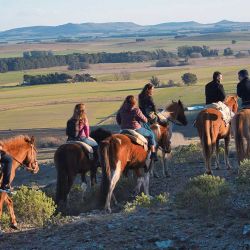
x,y
155,81
189,78
228,52
234,41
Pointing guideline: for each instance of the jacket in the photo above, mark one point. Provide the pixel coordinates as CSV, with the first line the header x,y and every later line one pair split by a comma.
x,y
214,92
243,91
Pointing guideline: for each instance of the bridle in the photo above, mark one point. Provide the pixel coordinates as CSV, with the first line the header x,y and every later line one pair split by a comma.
x,y
27,164
170,119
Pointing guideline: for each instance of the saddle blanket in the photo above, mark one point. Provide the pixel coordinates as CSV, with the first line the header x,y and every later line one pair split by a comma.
x,y
85,146
136,137
227,114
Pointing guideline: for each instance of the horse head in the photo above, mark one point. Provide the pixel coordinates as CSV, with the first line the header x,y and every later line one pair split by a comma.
x,y
232,102
30,161
177,113
100,134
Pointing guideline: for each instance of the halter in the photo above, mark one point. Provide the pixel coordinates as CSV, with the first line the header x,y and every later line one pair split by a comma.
x,y
25,165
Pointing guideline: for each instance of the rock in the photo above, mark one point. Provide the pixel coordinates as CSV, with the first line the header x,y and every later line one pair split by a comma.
x,y
165,244
246,230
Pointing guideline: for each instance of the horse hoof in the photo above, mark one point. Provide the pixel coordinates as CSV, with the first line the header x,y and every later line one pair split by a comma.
x,y
14,226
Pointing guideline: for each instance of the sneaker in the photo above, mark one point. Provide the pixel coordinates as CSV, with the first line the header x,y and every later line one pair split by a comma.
x,y
154,156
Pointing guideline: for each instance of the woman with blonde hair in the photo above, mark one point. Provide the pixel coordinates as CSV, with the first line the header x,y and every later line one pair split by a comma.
x,y
78,128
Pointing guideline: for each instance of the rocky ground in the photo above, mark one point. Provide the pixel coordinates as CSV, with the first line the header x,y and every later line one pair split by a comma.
x,y
158,227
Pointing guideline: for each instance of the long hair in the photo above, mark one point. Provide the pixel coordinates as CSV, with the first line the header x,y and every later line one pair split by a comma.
x,y
80,113
129,102
146,89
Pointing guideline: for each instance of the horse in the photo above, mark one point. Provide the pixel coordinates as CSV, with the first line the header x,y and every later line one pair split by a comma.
x,y
241,132
23,152
174,113
211,128
118,153
70,160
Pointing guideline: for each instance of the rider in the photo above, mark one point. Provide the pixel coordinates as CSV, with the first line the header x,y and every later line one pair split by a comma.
x,y
243,88
129,116
146,103
214,90
6,162
78,128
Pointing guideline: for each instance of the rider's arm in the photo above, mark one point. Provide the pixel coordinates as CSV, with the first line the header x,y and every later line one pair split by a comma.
x,y
222,94
140,116
118,118
152,104
86,127
239,90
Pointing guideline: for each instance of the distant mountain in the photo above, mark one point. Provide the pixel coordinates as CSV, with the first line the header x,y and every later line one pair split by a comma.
x,y
71,30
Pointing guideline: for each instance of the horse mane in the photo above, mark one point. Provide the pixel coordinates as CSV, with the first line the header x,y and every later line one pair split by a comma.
x,y
173,104
14,142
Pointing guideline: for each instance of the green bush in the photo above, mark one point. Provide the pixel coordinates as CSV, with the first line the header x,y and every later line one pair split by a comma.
x,y
187,154
243,178
145,202
204,193
5,221
32,206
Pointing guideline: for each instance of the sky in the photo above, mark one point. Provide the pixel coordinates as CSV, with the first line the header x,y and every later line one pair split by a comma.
x,y
23,13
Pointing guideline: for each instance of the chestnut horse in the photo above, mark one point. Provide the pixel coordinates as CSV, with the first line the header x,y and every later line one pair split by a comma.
x,y
211,128
174,113
241,132
118,153
71,160
23,153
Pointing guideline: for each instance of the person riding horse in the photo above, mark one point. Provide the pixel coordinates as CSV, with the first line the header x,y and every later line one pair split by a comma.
x,y
214,90
6,163
243,88
129,116
78,129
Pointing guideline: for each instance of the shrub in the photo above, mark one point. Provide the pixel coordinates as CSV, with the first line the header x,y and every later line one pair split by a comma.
x,y
195,55
204,193
155,81
167,62
189,78
242,54
32,206
243,178
187,154
228,52
144,201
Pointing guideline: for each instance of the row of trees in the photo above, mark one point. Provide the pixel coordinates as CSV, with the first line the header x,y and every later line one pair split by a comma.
x,y
34,60
56,78
192,51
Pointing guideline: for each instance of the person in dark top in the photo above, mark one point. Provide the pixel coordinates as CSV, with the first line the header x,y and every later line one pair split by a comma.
x,y
146,103
243,88
214,90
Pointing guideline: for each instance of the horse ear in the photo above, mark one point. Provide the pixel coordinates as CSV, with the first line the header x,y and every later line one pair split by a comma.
x,y
179,101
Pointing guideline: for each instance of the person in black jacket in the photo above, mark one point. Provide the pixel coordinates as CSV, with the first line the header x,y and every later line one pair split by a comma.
x,y
243,88
214,90
146,103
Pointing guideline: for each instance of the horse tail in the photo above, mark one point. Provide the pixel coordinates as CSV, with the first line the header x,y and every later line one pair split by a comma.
x,y
62,184
106,170
238,134
206,136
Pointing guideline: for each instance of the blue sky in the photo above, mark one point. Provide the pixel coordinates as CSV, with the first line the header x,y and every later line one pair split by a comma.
x,y
21,13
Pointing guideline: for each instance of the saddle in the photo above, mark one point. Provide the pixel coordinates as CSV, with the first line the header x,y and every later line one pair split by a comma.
x,y
227,114
136,138
84,147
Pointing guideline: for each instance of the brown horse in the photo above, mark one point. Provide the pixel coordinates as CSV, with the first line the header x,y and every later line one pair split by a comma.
x,y
118,153
174,113
241,132
211,128
71,160
23,152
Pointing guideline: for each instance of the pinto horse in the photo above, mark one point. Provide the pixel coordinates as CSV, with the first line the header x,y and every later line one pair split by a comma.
x,y
23,153
241,132
174,113
71,160
118,153
211,128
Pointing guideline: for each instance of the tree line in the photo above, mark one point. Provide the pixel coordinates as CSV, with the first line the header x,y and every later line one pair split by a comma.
x,y
43,59
56,78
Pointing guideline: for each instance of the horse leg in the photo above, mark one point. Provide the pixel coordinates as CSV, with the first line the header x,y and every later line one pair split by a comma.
x,y
114,180
217,156
84,184
165,165
146,183
226,158
9,203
